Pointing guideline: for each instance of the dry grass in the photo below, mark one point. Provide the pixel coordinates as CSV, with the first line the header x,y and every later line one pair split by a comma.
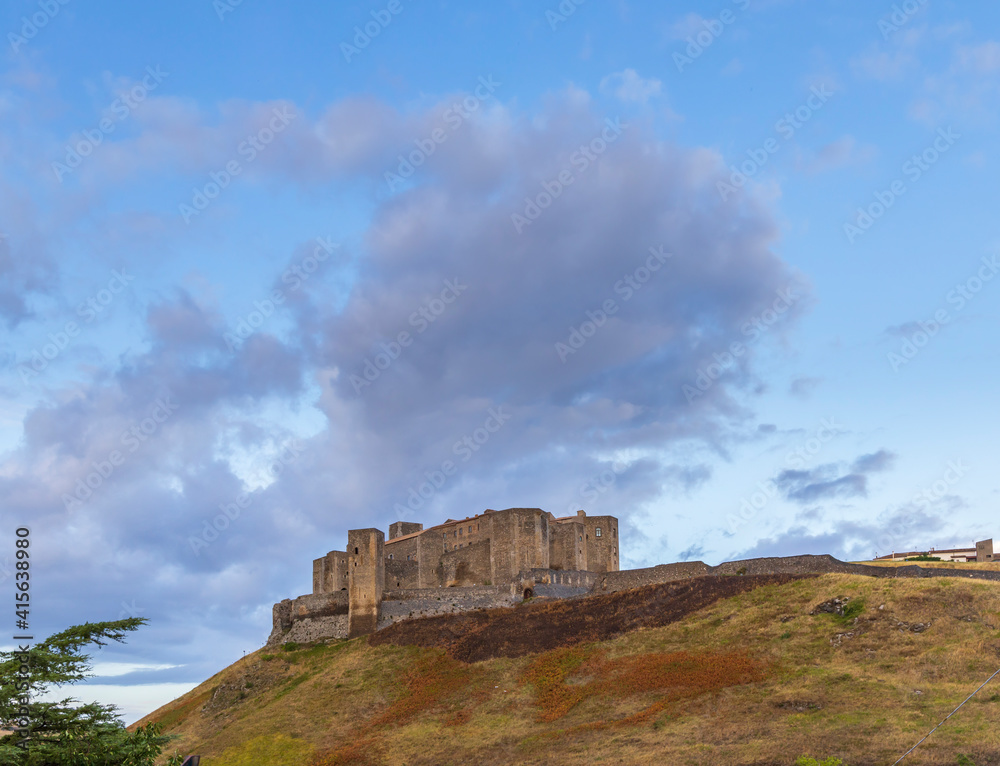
x,y
986,566
753,679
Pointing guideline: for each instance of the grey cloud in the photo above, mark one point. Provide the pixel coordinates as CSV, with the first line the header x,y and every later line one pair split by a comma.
x,y
905,528
803,387
827,482
22,275
494,346
882,460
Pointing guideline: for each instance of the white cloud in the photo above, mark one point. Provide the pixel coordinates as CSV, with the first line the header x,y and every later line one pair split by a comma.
x,y
629,86
981,59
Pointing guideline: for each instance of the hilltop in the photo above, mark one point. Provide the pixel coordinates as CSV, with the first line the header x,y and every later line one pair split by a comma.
x,y
712,670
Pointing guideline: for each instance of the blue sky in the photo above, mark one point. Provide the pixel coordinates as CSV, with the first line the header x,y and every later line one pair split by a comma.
x,y
725,270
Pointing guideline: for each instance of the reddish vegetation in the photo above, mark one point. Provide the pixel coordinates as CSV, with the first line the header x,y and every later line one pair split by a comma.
x,y
565,673
544,625
676,675
435,682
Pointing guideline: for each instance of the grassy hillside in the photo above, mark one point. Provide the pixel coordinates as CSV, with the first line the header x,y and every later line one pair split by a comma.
x,y
751,679
986,566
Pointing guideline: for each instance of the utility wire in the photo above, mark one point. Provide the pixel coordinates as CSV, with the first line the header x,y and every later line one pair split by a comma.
x,y
949,716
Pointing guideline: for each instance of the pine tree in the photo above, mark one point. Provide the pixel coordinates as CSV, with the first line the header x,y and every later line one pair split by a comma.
x,y
67,732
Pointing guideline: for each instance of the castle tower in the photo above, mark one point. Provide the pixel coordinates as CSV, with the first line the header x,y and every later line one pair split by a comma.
x,y
366,575
401,528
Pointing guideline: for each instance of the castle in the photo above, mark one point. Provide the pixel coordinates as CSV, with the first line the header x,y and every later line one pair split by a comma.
x,y
495,558
500,558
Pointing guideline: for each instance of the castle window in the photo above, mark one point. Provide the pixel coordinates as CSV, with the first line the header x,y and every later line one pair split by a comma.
x,y
581,538
390,555
470,529
459,530
597,532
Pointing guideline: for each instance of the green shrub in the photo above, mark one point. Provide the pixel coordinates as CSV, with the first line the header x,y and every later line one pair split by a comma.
x,y
964,760
805,760
291,646
853,609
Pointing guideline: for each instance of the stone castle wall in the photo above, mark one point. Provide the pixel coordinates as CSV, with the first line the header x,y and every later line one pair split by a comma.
x,y
466,566
427,602
309,618
823,564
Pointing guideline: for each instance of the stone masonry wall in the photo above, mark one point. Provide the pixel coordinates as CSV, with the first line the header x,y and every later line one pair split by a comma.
x,y
401,573
548,583
825,564
309,618
426,602
466,566
602,551
566,546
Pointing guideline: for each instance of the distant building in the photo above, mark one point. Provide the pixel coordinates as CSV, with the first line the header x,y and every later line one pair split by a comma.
x,y
981,553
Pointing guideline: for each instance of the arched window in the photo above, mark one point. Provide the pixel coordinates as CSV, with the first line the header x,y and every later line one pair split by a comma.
x,y
597,532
